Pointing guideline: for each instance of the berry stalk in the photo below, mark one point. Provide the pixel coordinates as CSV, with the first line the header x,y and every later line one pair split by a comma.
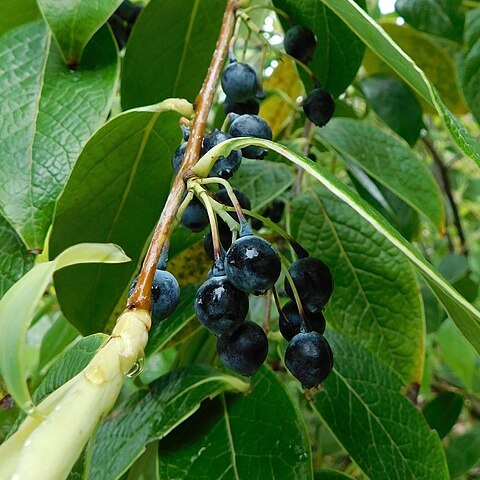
x,y
140,297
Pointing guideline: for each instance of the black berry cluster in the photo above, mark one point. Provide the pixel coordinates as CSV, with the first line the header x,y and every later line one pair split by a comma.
x,y
250,266
300,43
308,355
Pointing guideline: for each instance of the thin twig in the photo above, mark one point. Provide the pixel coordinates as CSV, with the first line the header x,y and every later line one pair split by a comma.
x,y
140,297
447,189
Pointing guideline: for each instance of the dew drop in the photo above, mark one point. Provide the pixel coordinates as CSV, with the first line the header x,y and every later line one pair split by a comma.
x,y
29,407
137,367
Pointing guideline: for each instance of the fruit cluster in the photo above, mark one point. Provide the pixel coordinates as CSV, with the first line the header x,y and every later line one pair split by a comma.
x,y
249,264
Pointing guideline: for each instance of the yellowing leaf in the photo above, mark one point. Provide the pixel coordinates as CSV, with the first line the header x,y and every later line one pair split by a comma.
x,y
275,109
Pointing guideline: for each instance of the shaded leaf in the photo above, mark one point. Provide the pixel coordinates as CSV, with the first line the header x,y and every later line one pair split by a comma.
x,y
74,22
389,161
468,63
428,55
443,411
48,114
395,104
339,53
241,437
151,415
262,181
444,18
123,170
19,303
181,35
376,299
380,429
146,467
463,452
394,209
376,39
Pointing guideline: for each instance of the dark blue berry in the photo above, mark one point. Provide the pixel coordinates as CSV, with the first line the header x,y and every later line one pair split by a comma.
x,y
290,321
195,216
309,358
223,197
240,82
251,126
165,294
128,11
224,167
313,281
225,235
275,211
319,107
300,43
220,306
177,158
244,350
252,106
252,264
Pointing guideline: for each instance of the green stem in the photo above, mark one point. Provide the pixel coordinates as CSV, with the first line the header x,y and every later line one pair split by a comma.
x,y
230,192
213,226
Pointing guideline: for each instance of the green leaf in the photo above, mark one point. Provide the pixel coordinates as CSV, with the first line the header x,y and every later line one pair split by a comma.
x,y
65,367
465,316
163,332
74,22
123,170
431,57
443,411
146,467
262,181
17,12
395,104
241,437
394,209
468,63
151,415
48,113
444,18
376,39
379,428
460,360
339,53
181,35
18,305
388,160
56,339
376,298
69,364
463,452
15,260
